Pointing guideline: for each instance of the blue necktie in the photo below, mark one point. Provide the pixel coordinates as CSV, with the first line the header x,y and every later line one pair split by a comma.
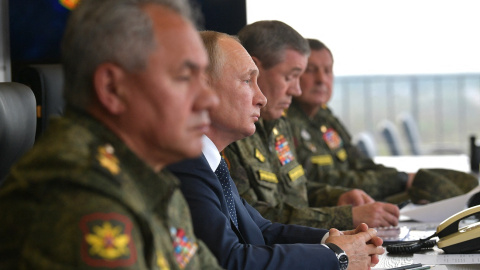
x,y
224,177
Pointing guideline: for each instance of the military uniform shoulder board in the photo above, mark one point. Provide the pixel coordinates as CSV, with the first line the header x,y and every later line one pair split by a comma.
x,y
107,240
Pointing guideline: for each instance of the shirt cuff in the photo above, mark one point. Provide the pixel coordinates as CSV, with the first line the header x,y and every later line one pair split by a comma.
x,y
324,238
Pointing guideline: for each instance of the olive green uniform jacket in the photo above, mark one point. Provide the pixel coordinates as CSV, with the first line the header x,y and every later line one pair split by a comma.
x,y
325,149
80,199
268,176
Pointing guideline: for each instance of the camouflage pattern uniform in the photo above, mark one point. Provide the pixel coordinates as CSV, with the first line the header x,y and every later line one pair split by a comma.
x,y
266,172
325,150
82,200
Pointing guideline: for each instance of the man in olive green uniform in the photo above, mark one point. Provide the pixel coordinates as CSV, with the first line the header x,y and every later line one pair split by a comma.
x,y
91,194
265,167
325,148
314,137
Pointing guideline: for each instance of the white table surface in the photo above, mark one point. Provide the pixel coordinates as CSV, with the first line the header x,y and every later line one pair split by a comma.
x,y
413,163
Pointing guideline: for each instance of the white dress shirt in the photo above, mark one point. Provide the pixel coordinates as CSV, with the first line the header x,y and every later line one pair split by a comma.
x,y
211,153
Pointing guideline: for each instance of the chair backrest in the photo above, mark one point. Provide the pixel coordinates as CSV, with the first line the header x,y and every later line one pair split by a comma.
x,y
46,82
391,136
410,129
365,144
18,122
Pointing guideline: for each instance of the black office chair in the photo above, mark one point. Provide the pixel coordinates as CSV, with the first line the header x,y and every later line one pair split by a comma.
x,y
391,136
411,132
18,121
46,82
365,143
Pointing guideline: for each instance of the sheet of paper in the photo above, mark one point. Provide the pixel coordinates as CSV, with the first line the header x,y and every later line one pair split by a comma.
x,y
434,267
447,259
438,211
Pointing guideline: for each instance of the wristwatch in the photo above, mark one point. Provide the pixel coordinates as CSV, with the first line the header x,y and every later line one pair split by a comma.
x,y
341,255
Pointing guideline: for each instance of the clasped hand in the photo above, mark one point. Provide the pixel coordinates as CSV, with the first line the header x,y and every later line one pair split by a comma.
x,y
361,245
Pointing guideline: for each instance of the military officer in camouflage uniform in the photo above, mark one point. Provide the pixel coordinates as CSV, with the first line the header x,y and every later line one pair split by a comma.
x,y
91,194
325,148
265,167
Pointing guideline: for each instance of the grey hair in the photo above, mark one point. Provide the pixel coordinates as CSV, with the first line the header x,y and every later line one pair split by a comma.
x,y
317,45
115,31
268,40
216,55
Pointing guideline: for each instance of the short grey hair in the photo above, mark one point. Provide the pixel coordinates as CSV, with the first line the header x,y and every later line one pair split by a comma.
x,y
216,55
268,40
317,45
115,31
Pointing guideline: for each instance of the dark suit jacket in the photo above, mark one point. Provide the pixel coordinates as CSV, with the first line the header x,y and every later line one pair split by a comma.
x,y
257,243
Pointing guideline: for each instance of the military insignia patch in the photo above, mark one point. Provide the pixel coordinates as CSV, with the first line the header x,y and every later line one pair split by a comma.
x,y
107,159
332,139
162,262
296,173
259,155
322,160
342,155
107,240
283,150
267,176
183,247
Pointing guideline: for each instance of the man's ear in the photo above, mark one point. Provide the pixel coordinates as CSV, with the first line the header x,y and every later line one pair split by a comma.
x,y
108,84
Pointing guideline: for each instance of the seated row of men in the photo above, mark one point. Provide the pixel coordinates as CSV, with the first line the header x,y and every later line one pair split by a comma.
x,y
147,98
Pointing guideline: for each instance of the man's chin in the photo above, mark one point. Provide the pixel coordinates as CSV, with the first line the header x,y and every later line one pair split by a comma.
x,y
190,152
272,115
249,132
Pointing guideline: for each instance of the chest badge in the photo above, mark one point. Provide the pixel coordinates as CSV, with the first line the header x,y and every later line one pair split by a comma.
x,y
305,135
283,150
184,248
332,139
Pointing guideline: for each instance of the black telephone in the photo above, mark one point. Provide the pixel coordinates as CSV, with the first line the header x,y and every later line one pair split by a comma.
x,y
459,240
452,239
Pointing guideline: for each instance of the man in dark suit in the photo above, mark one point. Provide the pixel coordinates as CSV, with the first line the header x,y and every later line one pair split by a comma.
x,y
234,231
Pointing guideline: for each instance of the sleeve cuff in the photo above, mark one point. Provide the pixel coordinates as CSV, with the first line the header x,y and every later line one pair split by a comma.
x,y
324,238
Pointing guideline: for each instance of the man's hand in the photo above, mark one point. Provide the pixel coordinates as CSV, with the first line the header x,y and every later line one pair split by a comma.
x,y
361,245
377,214
411,176
354,197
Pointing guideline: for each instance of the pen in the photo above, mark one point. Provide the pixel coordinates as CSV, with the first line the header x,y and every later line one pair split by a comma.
x,y
403,204
421,268
416,265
